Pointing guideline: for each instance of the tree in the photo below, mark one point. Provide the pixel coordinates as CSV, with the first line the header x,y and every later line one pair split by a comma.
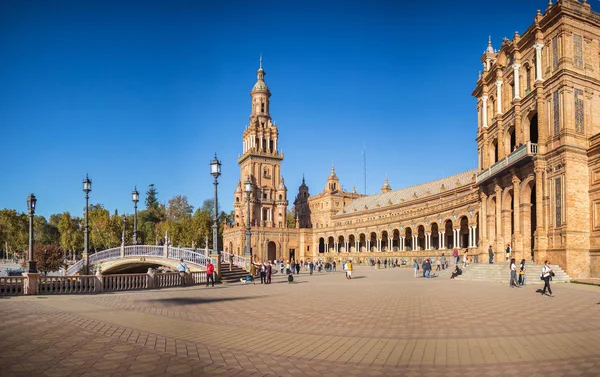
x,y
14,231
290,219
179,207
44,232
49,258
151,200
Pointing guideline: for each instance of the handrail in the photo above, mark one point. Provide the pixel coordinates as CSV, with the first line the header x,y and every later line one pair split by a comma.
x,y
527,149
188,255
238,260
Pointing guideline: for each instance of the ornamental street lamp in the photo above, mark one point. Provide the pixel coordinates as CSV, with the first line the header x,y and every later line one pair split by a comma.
x,y
124,227
87,188
215,171
248,190
135,197
31,263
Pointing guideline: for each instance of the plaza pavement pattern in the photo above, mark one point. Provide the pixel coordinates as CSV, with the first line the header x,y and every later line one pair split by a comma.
x,y
381,323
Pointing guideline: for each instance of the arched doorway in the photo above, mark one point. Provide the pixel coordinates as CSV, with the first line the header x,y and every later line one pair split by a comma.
x,y
420,238
449,234
408,239
321,245
435,236
533,129
351,243
330,244
271,251
384,241
463,240
373,242
396,240
362,243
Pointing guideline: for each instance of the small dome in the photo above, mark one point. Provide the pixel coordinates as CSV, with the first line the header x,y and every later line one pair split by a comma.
x,y
386,186
260,85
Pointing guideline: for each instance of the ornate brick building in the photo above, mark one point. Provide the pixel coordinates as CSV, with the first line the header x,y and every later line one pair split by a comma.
x,y
537,184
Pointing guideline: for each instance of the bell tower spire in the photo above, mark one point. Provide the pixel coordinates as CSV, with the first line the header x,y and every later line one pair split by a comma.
x,y
261,161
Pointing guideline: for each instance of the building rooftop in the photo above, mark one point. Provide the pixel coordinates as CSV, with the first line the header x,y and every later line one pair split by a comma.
x,y
410,193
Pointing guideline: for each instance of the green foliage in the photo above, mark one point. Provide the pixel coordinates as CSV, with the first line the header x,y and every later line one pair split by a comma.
x,y
151,200
184,226
14,231
290,220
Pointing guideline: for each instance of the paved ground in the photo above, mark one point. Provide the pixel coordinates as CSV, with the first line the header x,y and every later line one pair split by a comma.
x,y
381,323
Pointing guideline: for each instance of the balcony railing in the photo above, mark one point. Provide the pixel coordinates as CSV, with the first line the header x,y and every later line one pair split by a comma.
x,y
526,150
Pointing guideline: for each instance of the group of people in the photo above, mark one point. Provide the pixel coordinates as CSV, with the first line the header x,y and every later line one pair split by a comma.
x,y
183,270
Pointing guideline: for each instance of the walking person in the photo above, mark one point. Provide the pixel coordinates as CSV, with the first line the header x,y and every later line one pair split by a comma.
x,y
334,266
438,264
546,276
513,274
455,255
311,267
348,270
182,268
466,259
230,262
443,261
297,268
210,273
522,273
416,268
508,252
269,271
263,273
491,254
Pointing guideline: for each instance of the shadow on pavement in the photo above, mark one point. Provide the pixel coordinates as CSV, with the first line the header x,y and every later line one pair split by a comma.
x,y
199,300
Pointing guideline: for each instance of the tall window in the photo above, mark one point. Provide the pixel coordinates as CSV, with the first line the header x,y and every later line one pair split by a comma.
x,y
262,108
579,117
558,201
527,80
555,99
555,53
577,51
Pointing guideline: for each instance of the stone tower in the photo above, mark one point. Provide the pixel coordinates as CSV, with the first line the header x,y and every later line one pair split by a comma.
x,y
301,207
261,163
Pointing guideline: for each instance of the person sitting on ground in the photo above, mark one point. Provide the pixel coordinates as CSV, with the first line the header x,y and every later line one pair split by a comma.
x,y
457,272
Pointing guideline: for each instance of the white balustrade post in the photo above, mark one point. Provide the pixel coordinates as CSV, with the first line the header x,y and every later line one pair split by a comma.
x,y
538,61
516,83
499,96
484,111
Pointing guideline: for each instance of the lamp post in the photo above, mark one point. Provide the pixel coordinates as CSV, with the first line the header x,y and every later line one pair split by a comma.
x,y
87,188
124,227
31,264
215,171
248,190
135,197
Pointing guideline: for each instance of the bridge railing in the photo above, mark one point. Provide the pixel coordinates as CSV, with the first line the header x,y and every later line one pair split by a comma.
x,y
188,255
196,257
144,250
238,260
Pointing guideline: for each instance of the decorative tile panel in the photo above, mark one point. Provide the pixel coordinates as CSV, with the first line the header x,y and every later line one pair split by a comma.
x,y
558,200
579,115
554,53
577,51
555,100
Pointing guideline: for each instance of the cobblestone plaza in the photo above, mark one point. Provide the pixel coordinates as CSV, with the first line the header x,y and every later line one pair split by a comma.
x,y
382,322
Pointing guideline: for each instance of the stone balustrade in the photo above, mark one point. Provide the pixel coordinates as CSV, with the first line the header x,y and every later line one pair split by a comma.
x,y
32,284
11,285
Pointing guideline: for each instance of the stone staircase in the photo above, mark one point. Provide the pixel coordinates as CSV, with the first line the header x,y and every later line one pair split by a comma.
x,y
500,273
232,276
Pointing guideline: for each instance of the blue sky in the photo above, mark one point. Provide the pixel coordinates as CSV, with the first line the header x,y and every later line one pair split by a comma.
x,y
134,93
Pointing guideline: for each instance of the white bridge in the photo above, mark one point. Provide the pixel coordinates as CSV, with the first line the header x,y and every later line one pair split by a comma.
x,y
124,256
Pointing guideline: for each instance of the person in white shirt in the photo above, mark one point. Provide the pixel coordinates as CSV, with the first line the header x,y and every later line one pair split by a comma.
x,y
513,274
546,275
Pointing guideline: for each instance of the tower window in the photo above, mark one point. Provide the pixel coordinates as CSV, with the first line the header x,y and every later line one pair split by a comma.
x,y
262,109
